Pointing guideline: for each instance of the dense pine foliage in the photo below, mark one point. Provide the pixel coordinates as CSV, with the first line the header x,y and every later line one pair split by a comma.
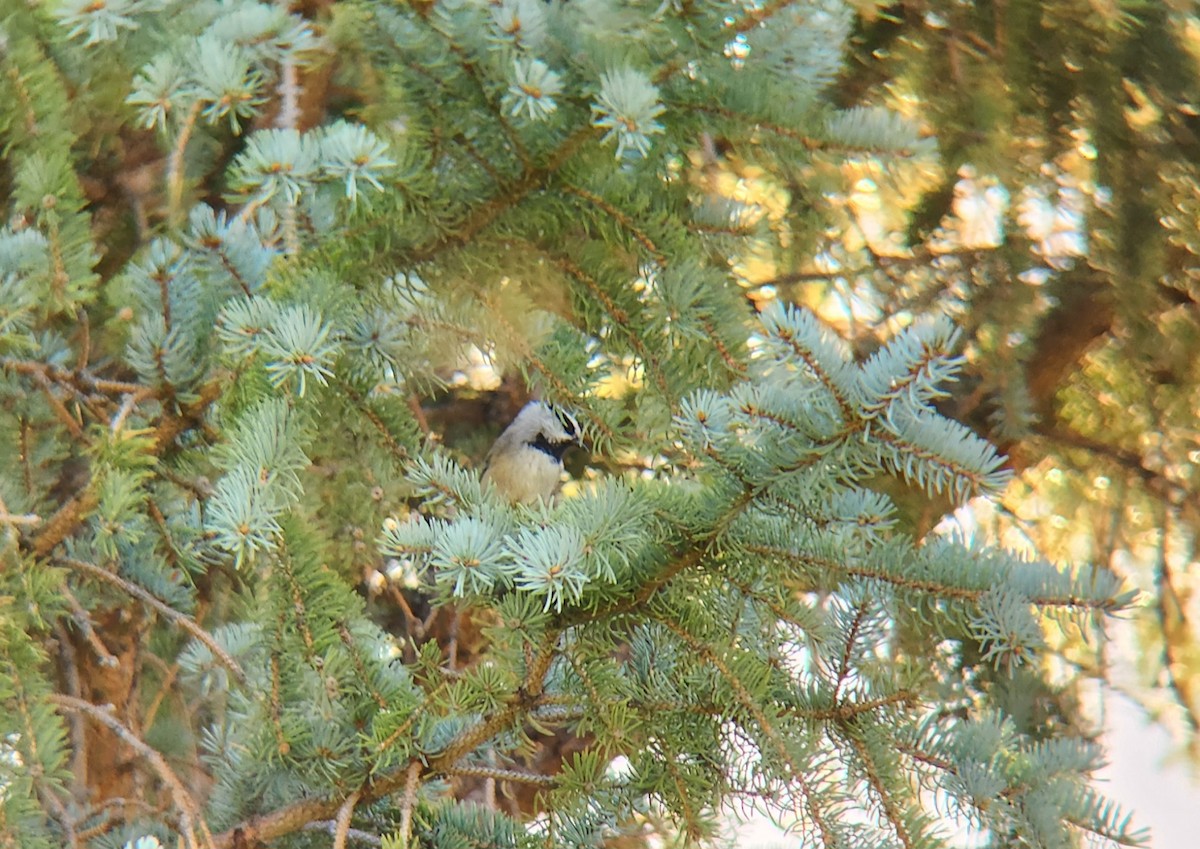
x,y
272,277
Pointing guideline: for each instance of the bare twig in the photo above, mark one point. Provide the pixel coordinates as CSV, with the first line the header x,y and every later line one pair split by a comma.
x,y
342,823
410,801
11,522
180,619
330,826
84,620
492,773
70,665
175,163
60,411
289,95
64,522
128,402
189,812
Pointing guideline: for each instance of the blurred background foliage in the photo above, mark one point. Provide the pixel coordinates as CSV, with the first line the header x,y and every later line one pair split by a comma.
x,y
1060,224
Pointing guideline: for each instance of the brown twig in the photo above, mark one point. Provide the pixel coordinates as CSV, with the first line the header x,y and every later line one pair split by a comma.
x,y
189,812
410,800
64,522
181,620
329,826
342,822
175,163
84,620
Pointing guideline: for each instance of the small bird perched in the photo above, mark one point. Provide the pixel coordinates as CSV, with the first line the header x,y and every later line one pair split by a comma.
x,y
525,464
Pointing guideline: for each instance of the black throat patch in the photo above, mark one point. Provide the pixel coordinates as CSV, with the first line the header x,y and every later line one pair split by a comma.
x,y
553,449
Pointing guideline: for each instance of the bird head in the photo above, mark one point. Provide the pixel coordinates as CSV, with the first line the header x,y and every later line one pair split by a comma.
x,y
546,428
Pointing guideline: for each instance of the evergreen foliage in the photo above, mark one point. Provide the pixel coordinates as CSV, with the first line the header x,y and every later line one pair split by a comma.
x,y
1059,227
230,535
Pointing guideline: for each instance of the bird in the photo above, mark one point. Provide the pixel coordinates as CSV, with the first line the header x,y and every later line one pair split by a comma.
x,y
525,463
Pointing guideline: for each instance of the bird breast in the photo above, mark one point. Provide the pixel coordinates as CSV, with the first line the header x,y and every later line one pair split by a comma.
x,y
525,475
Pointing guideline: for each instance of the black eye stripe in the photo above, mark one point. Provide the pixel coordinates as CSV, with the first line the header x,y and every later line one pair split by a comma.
x,y
568,423
553,449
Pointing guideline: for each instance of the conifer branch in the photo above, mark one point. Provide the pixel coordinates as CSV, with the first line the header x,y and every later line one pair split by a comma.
x,y
807,141
754,709
360,403
80,380
84,620
499,774
30,737
176,164
409,801
734,364
190,817
777,610
60,412
620,217
359,666
690,822
295,816
471,70
59,277
860,615
733,541
329,827
479,159
274,699
169,613
342,822
507,196
890,808
620,317
25,98
917,585
74,685
65,819
64,522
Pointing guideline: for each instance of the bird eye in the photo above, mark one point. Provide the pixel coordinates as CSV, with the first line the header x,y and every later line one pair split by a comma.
x,y
566,420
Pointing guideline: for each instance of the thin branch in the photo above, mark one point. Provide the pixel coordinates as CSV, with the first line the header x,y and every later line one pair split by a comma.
x,y
493,773
175,163
181,620
508,196
64,522
60,411
70,665
329,826
189,812
1171,610
410,800
81,380
289,95
128,402
890,809
64,817
84,620
342,823
1172,492
754,709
